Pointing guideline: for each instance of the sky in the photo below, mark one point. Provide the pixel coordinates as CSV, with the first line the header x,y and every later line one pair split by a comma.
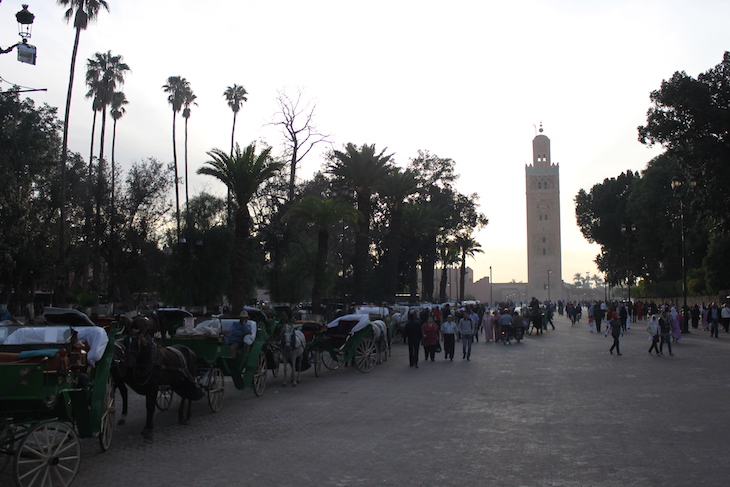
x,y
468,80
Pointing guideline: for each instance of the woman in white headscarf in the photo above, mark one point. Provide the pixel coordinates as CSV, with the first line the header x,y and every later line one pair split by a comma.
x,y
676,329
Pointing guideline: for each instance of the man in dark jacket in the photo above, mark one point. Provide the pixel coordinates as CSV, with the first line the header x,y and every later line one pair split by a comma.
x,y
413,335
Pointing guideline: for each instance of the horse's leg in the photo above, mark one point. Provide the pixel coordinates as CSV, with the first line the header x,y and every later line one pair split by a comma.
x,y
181,418
124,392
298,367
286,362
150,399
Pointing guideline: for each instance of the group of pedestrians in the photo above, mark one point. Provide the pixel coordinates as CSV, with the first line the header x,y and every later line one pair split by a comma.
x,y
424,331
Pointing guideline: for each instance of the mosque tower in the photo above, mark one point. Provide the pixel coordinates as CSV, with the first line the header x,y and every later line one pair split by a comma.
x,y
544,262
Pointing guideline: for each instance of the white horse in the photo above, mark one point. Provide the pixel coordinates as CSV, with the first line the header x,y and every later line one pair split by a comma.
x,y
292,352
380,335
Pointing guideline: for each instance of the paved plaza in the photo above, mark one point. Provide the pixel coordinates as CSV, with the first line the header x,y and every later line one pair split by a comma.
x,y
555,410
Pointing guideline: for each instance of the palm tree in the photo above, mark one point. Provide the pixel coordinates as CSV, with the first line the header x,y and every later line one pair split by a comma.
x,y
119,100
362,168
189,99
448,255
468,247
323,213
395,189
104,74
242,172
82,12
234,96
176,87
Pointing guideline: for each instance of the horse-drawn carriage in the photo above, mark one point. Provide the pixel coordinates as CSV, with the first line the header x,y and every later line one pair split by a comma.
x,y
353,339
55,388
216,360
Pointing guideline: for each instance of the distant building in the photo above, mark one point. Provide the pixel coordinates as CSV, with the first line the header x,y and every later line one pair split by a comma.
x,y
544,261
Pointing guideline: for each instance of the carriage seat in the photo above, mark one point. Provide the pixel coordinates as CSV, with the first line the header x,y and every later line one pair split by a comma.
x,y
56,360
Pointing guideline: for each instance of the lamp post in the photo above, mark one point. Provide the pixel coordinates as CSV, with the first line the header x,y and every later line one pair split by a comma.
x,y
491,296
679,193
26,52
548,284
627,231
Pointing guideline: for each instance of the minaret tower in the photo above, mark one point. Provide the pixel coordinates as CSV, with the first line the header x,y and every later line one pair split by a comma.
x,y
544,263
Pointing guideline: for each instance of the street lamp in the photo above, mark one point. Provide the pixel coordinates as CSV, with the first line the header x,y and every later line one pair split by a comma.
x,y
627,231
677,185
548,286
26,52
491,287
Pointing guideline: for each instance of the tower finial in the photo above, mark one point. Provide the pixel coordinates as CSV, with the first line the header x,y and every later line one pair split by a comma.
x,y
540,127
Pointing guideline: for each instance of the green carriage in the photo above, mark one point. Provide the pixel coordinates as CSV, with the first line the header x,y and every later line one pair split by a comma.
x,y
353,339
215,359
55,388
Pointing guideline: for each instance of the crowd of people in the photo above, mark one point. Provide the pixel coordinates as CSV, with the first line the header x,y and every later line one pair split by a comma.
x,y
430,327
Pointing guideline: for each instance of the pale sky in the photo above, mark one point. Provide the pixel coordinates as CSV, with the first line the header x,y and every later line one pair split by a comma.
x,y
469,80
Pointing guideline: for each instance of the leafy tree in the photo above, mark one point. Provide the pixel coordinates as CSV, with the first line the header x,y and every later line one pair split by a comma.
x,y
324,213
396,188
29,147
243,173
689,118
362,169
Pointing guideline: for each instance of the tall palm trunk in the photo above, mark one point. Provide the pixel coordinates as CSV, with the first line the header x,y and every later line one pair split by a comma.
x,y
239,259
187,195
174,161
229,200
362,247
112,208
391,281
428,262
100,174
442,284
323,237
60,295
89,206
462,277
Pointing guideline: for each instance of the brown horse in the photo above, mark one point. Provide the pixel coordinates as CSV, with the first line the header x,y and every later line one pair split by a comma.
x,y
149,366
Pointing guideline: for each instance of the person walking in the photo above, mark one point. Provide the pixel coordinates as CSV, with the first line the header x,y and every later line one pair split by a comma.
x,y
703,314
616,331
653,330
599,312
487,325
466,331
725,315
713,317
474,317
430,340
414,334
448,333
665,333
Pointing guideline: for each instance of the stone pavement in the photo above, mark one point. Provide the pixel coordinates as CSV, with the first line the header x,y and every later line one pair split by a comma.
x,y
555,410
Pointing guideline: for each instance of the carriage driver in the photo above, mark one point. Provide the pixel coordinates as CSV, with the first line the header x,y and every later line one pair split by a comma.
x,y
235,336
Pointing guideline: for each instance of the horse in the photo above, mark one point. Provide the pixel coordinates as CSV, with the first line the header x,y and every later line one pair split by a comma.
x,y
380,336
148,367
292,352
117,371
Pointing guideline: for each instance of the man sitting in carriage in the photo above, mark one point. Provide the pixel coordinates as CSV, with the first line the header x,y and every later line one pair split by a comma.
x,y
236,336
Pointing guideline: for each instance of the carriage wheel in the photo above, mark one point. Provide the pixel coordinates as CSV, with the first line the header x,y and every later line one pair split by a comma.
x,y
316,358
164,398
259,377
49,454
366,355
331,362
108,410
398,336
6,445
215,388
